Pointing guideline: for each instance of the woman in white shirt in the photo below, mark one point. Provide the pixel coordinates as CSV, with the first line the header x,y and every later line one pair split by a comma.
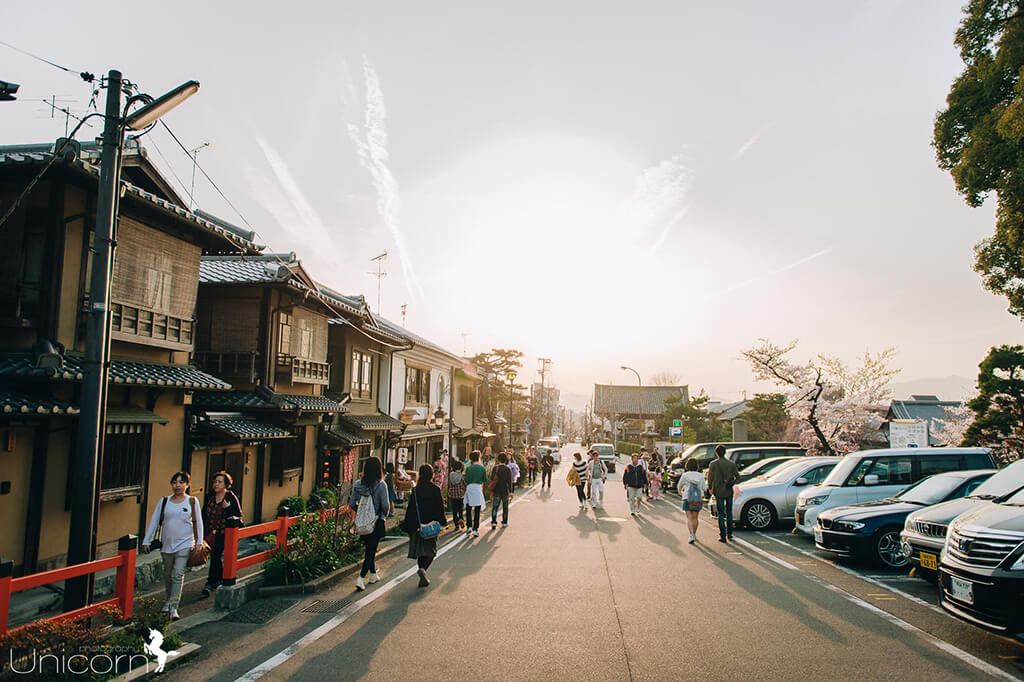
x,y
180,522
692,487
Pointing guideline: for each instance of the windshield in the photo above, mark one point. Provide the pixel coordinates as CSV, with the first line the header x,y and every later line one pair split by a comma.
x,y
1017,499
1002,483
604,450
785,472
841,471
930,491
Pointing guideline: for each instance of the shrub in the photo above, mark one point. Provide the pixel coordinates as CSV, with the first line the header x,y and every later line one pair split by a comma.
x,y
322,498
291,506
628,448
317,548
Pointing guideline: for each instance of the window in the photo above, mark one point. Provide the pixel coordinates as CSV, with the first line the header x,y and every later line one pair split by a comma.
x,y
362,375
747,458
937,464
125,455
815,476
284,333
288,456
417,385
891,470
466,394
305,349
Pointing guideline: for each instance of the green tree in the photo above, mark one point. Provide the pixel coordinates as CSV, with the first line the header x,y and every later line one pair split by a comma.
x,y
979,136
767,416
698,425
494,367
999,405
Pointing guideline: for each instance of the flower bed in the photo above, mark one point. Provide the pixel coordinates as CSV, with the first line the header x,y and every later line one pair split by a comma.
x,y
317,548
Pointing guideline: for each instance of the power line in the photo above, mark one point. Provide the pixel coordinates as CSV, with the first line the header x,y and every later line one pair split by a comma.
x,y
84,75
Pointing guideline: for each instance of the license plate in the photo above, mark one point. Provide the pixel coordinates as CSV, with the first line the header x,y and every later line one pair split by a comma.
x,y
962,590
800,517
929,560
818,538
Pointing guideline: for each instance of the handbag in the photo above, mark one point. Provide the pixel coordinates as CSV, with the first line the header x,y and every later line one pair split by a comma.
x,y
157,543
493,483
200,552
427,530
573,478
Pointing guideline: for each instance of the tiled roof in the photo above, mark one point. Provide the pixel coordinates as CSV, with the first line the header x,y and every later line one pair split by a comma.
x,y
31,155
247,429
416,339
354,304
121,372
230,401
309,403
371,422
346,438
17,403
244,270
624,400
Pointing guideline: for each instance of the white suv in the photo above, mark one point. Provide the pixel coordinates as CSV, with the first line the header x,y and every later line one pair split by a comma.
x,y
873,475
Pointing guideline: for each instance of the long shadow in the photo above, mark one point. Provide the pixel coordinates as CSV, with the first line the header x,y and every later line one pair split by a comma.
x,y
659,535
466,560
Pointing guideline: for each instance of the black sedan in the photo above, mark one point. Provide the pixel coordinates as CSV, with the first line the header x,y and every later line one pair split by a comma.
x,y
871,530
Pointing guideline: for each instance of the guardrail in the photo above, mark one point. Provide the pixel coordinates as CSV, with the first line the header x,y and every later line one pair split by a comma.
x,y
124,592
233,532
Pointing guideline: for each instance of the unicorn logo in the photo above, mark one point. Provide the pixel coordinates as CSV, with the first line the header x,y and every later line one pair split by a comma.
x,y
155,649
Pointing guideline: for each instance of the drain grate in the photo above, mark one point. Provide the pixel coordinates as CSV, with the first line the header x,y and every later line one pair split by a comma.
x,y
326,606
259,611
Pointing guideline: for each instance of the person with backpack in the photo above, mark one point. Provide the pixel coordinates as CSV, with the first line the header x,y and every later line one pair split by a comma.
x,y
722,475
547,463
475,477
424,519
370,500
531,463
501,488
634,478
691,488
456,491
180,523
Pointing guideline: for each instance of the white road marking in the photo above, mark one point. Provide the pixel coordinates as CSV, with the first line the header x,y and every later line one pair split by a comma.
x,y
346,613
855,574
953,651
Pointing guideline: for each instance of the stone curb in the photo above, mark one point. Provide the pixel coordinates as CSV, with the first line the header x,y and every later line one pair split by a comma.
x,y
181,655
329,580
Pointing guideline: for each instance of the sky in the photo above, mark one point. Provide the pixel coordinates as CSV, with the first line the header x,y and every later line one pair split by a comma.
x,y
651,184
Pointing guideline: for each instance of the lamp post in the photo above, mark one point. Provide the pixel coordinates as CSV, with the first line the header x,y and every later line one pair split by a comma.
x,y
88,453
511,378
640,398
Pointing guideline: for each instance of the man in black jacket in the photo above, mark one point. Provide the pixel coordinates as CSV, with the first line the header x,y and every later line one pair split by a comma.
x,y
502,489
547,462
633,479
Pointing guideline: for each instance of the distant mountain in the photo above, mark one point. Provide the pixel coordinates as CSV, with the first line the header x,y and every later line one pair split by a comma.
x,y
574,401
946,388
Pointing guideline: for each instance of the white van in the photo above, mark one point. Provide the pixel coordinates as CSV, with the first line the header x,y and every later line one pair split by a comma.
x,y
873,475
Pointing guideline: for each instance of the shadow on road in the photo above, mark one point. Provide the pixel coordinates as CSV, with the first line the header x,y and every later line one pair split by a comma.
x,y
658,535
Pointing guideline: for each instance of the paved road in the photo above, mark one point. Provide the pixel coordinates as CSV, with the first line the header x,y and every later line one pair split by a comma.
x,y
566,595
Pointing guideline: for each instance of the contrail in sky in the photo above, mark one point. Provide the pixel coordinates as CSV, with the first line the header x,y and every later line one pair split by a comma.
x,y
372,147
760,278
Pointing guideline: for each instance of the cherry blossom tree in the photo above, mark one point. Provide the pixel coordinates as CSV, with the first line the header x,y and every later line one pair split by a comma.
x,y
952,430
834,405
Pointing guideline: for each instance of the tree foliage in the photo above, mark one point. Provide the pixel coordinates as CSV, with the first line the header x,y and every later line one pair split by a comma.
x,y
831,401
699,426
999,406
664,378
979,137
495,366
767,416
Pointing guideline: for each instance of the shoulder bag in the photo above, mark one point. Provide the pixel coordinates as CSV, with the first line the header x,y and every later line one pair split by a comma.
x,y
494,480
200,551
157,543
427,530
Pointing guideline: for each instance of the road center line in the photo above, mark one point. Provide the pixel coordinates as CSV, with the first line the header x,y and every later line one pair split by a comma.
x,y
350,609
953,651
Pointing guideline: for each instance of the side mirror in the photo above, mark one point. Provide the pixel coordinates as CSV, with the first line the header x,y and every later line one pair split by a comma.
x,y
871,479
801,481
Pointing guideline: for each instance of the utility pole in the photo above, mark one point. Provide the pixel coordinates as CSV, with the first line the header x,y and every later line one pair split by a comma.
x,y
465,335
545,365
404,306
192,192
380,274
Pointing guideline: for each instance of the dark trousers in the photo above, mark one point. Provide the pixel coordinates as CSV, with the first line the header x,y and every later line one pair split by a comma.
x,y
425,561
456,506
545,478
370,543
216,574
473,517
495,501
724,509
581,492
533,475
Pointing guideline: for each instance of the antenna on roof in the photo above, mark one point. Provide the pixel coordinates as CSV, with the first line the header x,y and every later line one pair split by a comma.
x,y
403,314
465,335
381,274
192,192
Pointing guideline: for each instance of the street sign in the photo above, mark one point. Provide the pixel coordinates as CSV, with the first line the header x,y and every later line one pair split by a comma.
x,y
528,421
675,431
677,423
908,433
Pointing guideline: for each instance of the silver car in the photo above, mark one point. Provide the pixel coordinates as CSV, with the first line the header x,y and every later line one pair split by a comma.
x,y
766,500
924,532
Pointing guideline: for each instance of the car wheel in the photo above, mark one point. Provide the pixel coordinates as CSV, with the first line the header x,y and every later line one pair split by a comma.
x,y
888,552
759,515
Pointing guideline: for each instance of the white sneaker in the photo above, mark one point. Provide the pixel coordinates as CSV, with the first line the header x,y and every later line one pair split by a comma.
x,y
373,578
360,585
174,614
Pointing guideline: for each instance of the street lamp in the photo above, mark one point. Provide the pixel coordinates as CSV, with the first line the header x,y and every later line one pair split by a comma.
x,y
640,398
511,378
439,418
92,418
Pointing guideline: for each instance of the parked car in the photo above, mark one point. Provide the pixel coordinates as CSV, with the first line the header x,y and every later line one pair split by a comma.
x,y
747,455
871,530
924,532
873,475
981,569
763,467
606,453
705,452
765,501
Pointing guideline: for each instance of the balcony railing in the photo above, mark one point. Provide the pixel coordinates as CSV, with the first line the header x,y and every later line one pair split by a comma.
x,y
130,323
306,371
232,365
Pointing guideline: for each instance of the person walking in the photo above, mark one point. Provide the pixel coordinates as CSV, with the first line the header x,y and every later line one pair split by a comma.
x,y
547,463
456,491
513,467
222,505
180,523
425,506
475,477
371,489
691,488
501,479
580,467
645,462
634,478
597,474
531,463
389,481
722,475
654,479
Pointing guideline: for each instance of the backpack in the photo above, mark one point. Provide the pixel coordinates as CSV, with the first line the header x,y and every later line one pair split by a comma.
x,y
693,496
366,515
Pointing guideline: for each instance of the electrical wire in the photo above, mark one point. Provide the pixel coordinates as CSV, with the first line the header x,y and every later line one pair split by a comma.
x,y
84,75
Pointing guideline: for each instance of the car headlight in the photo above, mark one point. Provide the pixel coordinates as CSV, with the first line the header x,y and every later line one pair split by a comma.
x,y
847,526
1018,565
908,524
814,501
